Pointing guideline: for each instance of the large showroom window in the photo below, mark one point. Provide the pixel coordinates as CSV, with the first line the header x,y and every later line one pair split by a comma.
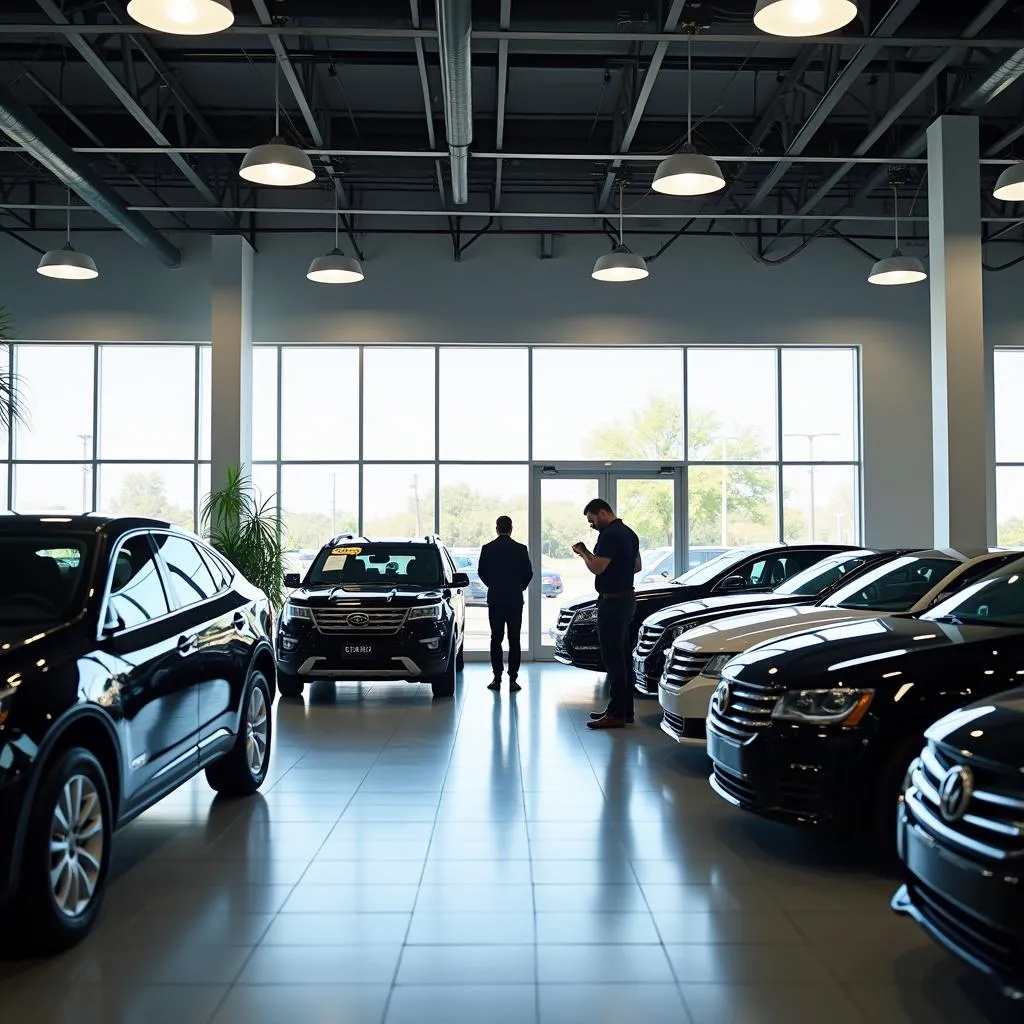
x,y
1009,420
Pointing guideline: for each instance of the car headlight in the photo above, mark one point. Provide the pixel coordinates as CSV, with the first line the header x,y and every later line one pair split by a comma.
x,y
824,707
585,615
713,669
293,611
426,611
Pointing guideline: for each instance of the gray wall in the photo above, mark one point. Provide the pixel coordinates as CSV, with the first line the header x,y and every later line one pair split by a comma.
x,y
701,291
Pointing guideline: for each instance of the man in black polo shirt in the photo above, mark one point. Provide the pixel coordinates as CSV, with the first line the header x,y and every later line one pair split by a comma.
x,y
614,561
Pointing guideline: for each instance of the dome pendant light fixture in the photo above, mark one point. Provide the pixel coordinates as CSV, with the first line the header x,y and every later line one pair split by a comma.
x,y
335,267
1010,186
66,264
183,17
277,162
620,264
803,17
897,268
688,173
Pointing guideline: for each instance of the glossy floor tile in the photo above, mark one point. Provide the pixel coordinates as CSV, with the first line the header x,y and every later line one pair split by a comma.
x,y
487,859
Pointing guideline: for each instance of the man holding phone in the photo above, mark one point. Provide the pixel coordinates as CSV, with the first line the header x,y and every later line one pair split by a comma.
x,y
614,561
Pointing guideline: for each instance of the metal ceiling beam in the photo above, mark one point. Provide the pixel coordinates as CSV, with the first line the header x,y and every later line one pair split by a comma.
x,y
873,43
428,105
889,23
504,21
114,84
675,13
917,145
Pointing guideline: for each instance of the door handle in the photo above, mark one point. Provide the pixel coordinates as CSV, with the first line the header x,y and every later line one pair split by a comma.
x,y
239,621
186,644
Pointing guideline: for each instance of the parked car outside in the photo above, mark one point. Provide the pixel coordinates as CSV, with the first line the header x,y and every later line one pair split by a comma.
x,y
749,569
134,656
911,583
375,609
657,565
551,584
960,840
811,586
468,562
818,727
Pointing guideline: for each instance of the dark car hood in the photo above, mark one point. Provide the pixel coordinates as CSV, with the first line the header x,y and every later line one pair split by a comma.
x,y
26,644
384,597
703,608
644,592
990,730
838,654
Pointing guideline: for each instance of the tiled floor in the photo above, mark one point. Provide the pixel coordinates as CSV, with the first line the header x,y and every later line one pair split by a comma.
x,y
487,860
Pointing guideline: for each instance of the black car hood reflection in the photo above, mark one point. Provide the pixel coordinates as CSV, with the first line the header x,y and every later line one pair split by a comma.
x,y
830,654
987,731
34,646
703,607
363,596
644,592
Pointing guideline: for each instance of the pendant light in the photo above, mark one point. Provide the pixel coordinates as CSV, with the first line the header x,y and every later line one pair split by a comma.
x,y
688,173
803,17
276,162
335,267
897,268
66,264
183,17
1010,186
620,264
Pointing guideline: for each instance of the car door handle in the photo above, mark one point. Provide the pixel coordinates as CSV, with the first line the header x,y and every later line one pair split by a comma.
x,y
239,621
186,645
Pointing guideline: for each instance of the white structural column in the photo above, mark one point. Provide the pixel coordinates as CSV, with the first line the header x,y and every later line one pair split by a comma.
x,y
962,387
231,269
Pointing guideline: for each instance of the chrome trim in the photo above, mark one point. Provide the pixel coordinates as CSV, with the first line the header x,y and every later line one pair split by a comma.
x,y
934,823
409,668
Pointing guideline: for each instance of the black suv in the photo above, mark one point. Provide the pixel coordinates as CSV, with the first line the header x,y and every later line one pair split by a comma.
x,y
374,609
960,838
132,656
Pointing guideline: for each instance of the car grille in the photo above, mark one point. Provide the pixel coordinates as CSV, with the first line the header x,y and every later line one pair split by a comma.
x,y
991,826
748,712
998,948
736,786
564,618
339,620
648,639
682,665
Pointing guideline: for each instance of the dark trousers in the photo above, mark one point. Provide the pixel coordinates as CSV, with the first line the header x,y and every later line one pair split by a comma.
x,y
614,616
504,617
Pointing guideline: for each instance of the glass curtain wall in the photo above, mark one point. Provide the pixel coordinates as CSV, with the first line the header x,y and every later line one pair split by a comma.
x,y
1009,423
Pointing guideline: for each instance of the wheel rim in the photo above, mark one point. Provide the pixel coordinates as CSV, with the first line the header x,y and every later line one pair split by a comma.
x,y
77,845
256,727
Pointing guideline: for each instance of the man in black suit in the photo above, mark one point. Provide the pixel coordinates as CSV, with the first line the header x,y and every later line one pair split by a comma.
x,y
505,571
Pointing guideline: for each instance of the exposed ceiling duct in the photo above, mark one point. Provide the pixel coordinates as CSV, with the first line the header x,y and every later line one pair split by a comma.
x,y
22,126
454,27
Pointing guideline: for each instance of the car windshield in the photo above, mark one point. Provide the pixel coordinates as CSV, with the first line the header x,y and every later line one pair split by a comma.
x,y
42,579
894,586
822,575
707,571
376,565
996,600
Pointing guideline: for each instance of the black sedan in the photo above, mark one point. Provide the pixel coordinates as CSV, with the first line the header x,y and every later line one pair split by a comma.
x,y
132,656
750,569
818,727
808,587
960,838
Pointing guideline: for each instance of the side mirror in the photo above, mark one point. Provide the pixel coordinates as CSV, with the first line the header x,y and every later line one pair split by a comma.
x,y
733,583
460,581
292,580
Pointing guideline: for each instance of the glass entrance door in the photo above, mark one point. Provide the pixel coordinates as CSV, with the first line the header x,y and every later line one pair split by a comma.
x,y
649,501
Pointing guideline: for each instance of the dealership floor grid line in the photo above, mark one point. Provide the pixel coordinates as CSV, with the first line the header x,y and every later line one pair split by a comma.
x,y
416,860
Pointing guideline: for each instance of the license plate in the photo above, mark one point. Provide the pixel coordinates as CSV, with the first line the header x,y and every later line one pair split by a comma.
x,y
358,650
725,752
638,667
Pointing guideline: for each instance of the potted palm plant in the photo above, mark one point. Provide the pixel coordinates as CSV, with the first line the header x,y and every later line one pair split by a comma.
x,y
11,410
246,530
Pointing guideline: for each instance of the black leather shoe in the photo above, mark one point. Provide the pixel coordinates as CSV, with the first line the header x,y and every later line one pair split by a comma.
x,y
494,684
595,715
513,686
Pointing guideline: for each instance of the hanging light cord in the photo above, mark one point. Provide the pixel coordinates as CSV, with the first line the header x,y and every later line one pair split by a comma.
x,y
620,213
67,236
277,100
896,214
689,89
336,215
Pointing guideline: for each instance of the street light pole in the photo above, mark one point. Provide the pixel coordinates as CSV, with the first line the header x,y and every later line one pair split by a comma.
x,y
811,438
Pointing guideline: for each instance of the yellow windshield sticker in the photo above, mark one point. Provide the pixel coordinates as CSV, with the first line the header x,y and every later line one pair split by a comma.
x,y
346,551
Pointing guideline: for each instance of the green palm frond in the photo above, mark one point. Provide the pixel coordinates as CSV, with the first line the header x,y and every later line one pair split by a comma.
x,y
11,408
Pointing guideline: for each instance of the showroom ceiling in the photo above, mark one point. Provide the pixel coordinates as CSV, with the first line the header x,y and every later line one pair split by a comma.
x,y
162,122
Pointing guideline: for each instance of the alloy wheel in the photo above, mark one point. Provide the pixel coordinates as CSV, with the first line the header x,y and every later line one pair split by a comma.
x,y
76,845
256,726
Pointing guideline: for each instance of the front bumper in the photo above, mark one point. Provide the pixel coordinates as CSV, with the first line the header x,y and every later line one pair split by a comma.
x,y
973,909
689,701
578,646
404,655
794,774
647,672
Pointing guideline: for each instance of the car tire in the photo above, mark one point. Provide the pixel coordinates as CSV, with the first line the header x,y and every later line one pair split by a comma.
x,y
289,684
885,799
242,770
460,658
74,800
443,685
